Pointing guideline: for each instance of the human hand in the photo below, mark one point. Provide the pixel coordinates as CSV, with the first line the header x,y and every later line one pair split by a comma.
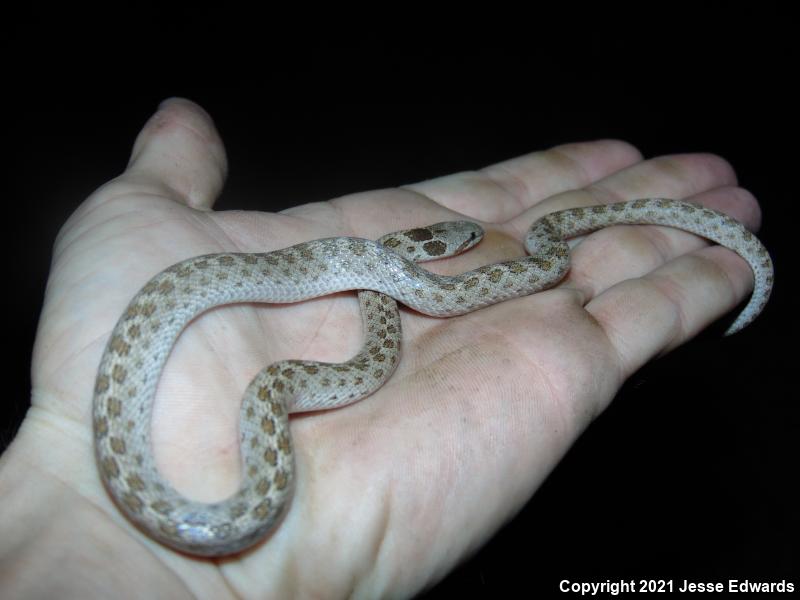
x,y
394,490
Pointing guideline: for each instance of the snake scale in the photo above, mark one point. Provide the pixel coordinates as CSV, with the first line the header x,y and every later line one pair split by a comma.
x,y
383,271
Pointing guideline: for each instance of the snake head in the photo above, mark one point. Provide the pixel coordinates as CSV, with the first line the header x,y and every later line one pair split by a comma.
x,y
460,236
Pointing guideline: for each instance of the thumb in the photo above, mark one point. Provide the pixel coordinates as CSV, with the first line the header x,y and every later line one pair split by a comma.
x,y
180,149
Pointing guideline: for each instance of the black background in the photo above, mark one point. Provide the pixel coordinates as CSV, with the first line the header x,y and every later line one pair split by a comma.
x,y
691,472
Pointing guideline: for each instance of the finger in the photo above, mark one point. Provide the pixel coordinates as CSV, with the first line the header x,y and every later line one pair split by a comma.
x,y
676,176
499,192
179,151
623,252
648,316
616,254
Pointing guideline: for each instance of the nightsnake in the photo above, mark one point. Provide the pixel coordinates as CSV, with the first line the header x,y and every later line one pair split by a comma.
x,y
144,335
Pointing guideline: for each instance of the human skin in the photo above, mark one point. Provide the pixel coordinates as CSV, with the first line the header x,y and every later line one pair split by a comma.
x,y
393,491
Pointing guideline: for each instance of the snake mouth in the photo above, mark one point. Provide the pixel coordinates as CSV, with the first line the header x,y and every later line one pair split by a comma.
x,y
468,243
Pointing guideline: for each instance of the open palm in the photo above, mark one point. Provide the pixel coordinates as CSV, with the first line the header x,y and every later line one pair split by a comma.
x,y
393,491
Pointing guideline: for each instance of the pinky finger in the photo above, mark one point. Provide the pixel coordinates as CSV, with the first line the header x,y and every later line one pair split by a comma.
x,y
649,316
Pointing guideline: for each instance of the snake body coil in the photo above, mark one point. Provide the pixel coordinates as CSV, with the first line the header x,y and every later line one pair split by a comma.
x,y
143,338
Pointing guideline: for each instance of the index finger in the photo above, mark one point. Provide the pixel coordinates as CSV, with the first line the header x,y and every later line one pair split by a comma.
x,y
502,191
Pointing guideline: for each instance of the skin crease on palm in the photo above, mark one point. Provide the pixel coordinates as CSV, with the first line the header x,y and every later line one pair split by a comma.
x,y
479,411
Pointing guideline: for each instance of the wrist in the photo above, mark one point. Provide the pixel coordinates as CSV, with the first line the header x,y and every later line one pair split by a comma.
x,y
46,519
30,496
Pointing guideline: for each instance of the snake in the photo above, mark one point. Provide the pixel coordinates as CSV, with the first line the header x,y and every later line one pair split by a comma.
x,y
383,272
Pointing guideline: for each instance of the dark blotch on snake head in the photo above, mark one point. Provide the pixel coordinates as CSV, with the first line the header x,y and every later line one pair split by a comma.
x,y
435,248
419,235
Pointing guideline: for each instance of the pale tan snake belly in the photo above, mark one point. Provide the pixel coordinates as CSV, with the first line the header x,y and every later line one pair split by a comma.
x,y
142,339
